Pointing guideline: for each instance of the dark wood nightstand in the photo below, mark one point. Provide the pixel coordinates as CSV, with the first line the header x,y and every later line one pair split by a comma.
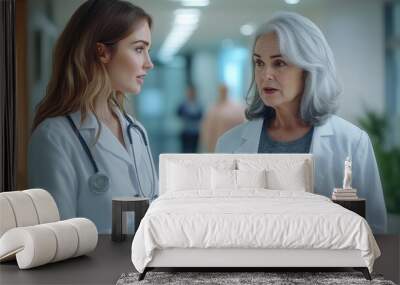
x,y
357,206
126,204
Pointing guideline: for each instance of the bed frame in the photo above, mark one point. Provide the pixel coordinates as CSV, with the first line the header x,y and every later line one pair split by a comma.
x,y
246,259
242,259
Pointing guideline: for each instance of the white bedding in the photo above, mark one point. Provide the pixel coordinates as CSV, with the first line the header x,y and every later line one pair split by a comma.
x,y
251,218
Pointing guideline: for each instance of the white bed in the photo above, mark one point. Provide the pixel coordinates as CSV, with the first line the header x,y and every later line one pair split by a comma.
x,y
241,210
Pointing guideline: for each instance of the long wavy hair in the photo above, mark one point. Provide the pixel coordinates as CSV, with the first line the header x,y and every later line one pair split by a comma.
x,y
303,43
78,76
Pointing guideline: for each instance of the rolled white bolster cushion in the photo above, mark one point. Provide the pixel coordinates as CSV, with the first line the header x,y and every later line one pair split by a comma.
x,y
87,235
41,244
26,208
33,246
7,218
67,240
23,208
45,205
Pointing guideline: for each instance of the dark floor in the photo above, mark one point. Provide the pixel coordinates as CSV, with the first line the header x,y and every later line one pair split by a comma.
x,y
106,264
389,262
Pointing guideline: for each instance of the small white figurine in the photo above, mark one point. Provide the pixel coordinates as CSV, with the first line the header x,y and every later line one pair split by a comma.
x,y
347,174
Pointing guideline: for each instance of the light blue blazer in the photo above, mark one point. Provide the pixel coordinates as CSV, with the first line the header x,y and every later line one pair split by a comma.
x,y
58,163
332,142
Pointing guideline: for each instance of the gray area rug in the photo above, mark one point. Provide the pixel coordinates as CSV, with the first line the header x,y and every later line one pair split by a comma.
x,y
225,278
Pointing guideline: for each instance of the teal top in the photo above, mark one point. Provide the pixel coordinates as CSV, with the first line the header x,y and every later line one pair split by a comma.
x,y
269,145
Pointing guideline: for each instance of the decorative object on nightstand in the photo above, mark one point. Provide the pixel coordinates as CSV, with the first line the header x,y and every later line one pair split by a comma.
x,y
347,192
355,205
347,196
126,204
344,194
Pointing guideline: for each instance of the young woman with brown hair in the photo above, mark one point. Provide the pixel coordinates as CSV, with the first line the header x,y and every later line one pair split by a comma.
x,y
84,148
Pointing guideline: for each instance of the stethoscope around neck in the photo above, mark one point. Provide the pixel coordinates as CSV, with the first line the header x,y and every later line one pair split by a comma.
x,y
99,182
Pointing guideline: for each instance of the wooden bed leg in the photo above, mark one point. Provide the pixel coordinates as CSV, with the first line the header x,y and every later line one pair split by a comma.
x,y
364,271
143,274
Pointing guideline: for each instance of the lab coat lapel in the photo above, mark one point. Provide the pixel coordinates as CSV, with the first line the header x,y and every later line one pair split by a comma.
x,y
89,123
250,137
110,143
321,137
107,140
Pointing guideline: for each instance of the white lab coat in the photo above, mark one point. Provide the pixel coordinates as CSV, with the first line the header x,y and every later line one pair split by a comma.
x,y
332,142
58,163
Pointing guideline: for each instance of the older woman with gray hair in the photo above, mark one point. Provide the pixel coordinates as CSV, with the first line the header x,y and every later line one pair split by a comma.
x,y
291,110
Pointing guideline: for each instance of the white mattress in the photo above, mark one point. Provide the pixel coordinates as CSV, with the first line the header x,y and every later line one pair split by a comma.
x,y
253,218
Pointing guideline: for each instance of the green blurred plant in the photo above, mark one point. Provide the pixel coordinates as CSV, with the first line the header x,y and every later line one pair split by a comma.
x,y
388,159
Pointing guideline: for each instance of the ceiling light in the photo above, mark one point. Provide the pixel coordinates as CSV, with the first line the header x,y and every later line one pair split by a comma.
x,y
184,24
292,2
247,29
195,3
186,17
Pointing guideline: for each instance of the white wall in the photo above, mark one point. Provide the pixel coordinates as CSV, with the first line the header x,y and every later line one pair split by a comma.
x,y
355,31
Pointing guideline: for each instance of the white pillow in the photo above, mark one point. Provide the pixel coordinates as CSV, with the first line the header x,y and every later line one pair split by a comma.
x,y
226,179
251,178
293,179
223,179
182,177
283,173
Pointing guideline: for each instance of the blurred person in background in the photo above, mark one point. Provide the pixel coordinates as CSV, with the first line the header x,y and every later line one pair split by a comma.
x,y
190,112
222,116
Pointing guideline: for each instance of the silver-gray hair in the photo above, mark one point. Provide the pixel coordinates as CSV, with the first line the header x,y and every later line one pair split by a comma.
x,y
304,45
